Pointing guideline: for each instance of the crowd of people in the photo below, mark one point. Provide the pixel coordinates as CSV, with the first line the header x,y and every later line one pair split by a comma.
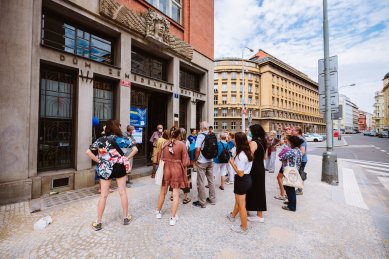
x,y
240,158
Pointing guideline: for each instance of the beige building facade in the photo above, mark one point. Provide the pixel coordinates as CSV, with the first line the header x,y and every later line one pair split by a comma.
x,y
378,114
276,95
69,62
385,92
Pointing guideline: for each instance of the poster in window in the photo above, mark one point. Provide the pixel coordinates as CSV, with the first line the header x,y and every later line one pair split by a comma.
x,y
138,116
138,135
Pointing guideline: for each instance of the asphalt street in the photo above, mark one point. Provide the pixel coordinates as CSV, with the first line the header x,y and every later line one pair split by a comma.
x,y
359,147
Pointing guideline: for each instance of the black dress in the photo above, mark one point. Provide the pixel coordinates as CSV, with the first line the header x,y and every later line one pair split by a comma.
x,y
256,196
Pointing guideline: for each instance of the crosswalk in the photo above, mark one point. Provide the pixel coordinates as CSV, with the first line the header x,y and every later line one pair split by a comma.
x,y
378,168
351,190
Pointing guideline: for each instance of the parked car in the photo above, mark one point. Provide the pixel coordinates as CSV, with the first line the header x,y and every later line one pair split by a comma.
x,y
373,133
366,133
313,137
383,134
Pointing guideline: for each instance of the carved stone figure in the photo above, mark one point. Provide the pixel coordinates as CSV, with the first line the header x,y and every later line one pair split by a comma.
x,y
150,24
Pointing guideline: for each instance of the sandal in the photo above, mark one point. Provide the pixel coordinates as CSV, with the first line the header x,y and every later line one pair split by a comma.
x,y
97,226
187,200
279,197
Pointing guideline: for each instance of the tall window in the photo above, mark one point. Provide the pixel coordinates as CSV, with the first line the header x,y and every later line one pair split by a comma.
x,y
250,100
250,76
224,112
171,8
215,125
103,103
233,125
234,112
250,88
224,87
144,64
233,87
215,113
233,75
224,99
62,35
215,100
215,76
224,125
56,136
215,88
189,80
224,75
233,99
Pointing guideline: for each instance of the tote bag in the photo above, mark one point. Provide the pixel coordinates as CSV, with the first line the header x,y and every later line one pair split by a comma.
x,y
159,172
292,177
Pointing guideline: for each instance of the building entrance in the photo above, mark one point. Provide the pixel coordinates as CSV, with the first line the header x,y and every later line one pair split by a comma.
x,y
154,104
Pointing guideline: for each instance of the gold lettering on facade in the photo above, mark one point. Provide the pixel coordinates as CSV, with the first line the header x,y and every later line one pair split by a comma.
x,y
126,75
62,57
88,64
75,61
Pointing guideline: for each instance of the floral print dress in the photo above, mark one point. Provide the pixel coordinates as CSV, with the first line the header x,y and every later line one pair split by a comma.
x,y
292,157
110,153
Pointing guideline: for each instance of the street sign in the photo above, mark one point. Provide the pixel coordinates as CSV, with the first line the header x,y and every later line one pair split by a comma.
x,y
334,102
332,83
333,78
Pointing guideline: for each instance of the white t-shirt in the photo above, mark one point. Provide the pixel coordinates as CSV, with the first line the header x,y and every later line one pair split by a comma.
x,y
242,163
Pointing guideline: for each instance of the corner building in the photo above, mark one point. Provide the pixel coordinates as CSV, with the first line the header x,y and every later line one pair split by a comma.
x,y
68,61
276,95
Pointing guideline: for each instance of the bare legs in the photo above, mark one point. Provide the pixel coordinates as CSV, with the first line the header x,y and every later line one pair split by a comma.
x,y
240,207
161,199
154,170
105,184
279,180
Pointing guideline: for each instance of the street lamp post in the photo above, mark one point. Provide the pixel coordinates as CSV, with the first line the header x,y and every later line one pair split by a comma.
x,y
242,87
339,131
329,171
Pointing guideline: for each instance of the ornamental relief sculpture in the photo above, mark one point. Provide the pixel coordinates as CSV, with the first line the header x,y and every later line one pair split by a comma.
x,y
153,26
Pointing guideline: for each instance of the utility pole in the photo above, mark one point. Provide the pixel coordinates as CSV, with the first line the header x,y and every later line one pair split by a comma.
x,y
329,172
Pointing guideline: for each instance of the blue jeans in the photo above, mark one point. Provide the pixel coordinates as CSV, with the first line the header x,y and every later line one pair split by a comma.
x,y
291,192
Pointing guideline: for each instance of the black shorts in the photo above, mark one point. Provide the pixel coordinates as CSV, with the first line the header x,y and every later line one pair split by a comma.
x,y
242,184
118,171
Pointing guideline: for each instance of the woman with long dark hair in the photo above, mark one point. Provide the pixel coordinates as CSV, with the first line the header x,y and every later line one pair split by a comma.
x,y
112,163
176,158
256,196
241,164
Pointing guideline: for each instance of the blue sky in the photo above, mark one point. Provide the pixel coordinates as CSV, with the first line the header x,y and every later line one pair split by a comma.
x,y
291,30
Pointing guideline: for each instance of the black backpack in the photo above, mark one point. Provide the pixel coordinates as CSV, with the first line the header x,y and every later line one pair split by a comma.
x,y
209,150
224,156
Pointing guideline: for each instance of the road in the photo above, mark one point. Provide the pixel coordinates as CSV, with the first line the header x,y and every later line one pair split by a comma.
x,y
365,159
359,147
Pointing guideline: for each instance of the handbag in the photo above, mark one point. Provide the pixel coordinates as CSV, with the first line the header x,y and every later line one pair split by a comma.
x,y
303,174
159,172
292,177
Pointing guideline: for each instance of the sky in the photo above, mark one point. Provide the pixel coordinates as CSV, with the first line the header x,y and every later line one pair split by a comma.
x,y
292,31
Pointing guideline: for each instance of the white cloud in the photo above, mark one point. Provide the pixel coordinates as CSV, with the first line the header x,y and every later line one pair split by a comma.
x,y
292,32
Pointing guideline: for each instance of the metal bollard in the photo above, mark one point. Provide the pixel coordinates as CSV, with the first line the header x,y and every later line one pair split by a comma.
x,y
330,168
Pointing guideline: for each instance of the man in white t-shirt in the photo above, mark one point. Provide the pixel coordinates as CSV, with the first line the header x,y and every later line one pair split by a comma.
x,y
204,169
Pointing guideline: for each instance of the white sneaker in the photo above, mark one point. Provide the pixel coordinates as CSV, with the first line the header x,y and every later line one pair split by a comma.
x,y
256,219
173,220
238,229
230,217
158,214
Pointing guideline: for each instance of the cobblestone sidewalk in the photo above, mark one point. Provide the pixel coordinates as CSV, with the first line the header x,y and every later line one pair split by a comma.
x,y
321,228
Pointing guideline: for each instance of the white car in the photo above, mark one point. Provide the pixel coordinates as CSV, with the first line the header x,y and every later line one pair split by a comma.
x,y
314,137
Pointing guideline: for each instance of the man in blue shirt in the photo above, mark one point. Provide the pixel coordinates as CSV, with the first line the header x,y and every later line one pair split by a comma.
x,y
297,131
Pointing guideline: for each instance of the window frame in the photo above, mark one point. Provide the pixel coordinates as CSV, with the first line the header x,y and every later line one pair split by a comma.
x,y
169,7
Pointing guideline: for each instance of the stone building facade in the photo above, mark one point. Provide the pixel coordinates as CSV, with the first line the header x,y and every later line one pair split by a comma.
x,y
276,95
385,92
379,111
69,61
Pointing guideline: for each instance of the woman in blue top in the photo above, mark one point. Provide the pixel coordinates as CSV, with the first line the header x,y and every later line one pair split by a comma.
x,y
222,158
292,158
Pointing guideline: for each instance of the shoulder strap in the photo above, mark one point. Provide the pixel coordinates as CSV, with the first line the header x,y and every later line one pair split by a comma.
x,y
115,145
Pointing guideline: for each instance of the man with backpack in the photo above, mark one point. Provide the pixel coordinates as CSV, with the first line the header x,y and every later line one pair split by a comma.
x,y
206,151
221,161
